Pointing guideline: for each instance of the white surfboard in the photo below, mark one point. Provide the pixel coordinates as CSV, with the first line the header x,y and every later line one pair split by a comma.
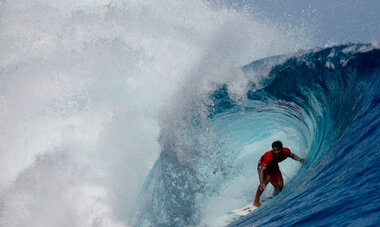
x,y
248,208
244,210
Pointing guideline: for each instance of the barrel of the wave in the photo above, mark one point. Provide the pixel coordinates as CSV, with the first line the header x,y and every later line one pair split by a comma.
x,y
269,172
338,87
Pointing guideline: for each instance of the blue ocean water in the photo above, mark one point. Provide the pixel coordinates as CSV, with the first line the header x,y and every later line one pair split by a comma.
x,y
323,104
149,113
339,185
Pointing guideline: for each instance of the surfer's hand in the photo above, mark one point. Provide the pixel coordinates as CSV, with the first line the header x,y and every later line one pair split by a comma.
x,y
302,161
262,186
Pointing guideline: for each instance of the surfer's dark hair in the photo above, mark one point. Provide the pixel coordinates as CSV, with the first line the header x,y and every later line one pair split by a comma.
x,y
277,144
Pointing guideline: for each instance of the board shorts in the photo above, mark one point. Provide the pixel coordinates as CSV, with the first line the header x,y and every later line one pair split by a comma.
x,y
275,175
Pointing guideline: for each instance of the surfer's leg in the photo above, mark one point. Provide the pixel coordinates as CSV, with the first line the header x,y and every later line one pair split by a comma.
x,y
257,197
256,202
278,188
277,182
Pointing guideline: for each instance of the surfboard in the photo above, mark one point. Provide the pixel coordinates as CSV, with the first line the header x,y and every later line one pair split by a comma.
x,y
244,210
249,208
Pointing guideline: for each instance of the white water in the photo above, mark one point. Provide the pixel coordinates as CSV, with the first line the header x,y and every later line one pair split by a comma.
x,y
83,86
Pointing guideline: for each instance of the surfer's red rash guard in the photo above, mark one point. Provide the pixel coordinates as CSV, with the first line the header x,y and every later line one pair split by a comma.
x,y
268,161
271,164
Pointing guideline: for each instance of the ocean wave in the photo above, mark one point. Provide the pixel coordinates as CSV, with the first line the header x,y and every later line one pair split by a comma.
x,y
322,104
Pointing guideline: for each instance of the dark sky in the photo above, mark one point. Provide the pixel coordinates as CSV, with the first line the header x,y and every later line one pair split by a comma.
x,y
325,21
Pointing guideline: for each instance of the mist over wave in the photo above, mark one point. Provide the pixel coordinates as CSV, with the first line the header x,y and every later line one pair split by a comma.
x,y
89,90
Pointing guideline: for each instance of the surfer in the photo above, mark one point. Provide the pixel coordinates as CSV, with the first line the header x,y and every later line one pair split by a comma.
x,y
269,171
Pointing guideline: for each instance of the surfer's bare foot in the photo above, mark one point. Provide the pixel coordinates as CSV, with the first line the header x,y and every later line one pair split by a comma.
x,y
256,203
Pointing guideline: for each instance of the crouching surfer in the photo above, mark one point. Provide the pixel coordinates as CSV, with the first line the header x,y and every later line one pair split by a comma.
x,y
269,171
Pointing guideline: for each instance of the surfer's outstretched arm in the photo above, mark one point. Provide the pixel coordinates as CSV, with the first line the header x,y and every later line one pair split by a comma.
x,y
295,157
263,182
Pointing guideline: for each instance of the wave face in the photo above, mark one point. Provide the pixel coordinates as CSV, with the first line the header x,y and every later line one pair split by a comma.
x,y
323,104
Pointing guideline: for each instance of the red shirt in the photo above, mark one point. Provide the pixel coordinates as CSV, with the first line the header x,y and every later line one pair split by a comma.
x,y
269,161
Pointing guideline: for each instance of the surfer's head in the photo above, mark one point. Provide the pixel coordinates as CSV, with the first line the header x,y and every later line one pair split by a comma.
x,y
277,147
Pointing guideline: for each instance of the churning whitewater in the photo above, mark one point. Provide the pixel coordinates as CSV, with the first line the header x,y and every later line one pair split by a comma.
x,y
149,113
